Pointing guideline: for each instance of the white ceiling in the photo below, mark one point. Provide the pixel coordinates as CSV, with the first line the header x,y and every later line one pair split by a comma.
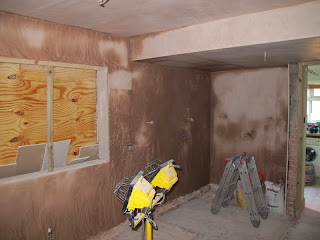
x,y
278,54
135,17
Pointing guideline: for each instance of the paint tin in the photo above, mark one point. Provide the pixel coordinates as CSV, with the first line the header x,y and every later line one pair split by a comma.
x,y
310,178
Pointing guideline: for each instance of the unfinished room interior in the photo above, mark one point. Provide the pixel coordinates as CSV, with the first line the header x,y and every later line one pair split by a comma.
x,y
159,119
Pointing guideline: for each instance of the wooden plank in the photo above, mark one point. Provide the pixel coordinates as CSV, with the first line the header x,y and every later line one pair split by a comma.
x,y
16,60
103,114
303,124
22,109
69,65
75,108
48,63
50,133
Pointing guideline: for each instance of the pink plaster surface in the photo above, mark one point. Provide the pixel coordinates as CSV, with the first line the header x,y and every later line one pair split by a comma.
x,y
249,113
80,203
136,17
290,23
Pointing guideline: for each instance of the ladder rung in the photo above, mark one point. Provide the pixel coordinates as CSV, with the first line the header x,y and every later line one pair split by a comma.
x,y
227,199
233,183
255,189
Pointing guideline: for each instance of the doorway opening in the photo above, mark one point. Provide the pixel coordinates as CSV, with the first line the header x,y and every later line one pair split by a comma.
x,y
312,160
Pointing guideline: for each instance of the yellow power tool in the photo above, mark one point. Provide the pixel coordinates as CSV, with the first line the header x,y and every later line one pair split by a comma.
x,y
138,194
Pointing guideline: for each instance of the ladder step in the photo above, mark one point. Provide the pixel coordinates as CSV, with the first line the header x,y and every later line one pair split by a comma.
x,y
227,199
244,168
255,189
234,183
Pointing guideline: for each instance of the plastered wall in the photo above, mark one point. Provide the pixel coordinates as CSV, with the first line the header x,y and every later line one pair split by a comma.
x,y
80,203
249,113
239,31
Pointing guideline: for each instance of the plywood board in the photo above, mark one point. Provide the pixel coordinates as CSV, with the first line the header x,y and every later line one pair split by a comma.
x,y
89,151
22,109
30,158
78,160
8,170
60,154
75,108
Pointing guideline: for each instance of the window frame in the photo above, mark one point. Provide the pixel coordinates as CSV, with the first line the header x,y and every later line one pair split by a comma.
x,y
102,112
310,99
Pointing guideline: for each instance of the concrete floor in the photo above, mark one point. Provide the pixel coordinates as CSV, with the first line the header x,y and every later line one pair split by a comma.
x,y
308,226
194,220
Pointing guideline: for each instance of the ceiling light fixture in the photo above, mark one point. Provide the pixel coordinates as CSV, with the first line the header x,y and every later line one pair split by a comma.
x,y
103,2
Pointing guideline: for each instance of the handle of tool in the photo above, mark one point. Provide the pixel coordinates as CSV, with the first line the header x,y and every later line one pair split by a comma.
x,y
148,231
176,166
154,202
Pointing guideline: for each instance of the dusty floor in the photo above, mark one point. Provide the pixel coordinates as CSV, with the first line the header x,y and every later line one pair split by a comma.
x,y
194,220
308,226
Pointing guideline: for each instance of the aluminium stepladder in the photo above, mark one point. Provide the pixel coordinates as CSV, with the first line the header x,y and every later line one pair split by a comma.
x,y
241,166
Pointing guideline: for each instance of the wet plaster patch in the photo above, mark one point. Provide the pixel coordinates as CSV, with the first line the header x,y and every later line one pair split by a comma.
x,y
119,47
250,120
40,40
33,36
141,138
121,80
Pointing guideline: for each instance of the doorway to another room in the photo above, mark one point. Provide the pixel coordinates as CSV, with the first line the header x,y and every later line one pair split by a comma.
x,y
312,165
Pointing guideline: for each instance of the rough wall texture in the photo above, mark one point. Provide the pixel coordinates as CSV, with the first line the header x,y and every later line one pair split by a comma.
x,y
239,31
80,203
249,113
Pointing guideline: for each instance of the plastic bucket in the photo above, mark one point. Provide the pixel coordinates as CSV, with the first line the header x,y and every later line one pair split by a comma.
x,y
241,198
310,178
